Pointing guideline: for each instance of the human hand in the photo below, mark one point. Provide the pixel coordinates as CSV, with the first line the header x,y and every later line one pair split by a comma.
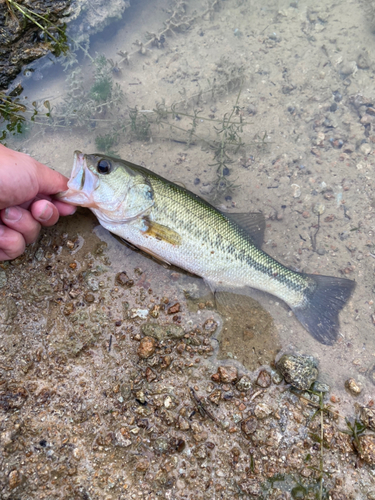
x,y
26,187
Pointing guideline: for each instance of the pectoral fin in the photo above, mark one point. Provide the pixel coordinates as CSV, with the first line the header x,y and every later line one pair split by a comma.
x,y
163,233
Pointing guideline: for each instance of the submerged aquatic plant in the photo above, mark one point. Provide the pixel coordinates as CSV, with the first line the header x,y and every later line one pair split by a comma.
x,y
11,111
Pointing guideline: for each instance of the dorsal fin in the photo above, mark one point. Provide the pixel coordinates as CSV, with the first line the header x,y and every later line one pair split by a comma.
x,y
253,223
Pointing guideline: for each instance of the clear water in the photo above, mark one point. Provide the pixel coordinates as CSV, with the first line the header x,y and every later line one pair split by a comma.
x,y
293,71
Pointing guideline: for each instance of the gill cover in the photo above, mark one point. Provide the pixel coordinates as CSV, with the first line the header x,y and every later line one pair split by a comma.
x,y
108,187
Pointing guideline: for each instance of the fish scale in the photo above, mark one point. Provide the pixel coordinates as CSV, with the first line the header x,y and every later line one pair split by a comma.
x,y
178,227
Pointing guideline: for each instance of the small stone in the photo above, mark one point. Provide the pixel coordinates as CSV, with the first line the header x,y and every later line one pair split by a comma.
x,y
89,298
320,387
142,465
200,452
174,332
296,190
277,378
14,479
150,375
297,370
367,416
264,379
365,148
147,347
161,445
215,396
165,361
174,309
210,325
366,448
262,410
183,424
161,332
319,209
6,438
249,425
68,309
3,279
251,487
305,214
244,384
352,386
123,280
227,374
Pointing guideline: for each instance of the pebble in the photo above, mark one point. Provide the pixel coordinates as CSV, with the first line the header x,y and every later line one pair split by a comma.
x,y
200,452
142,465
367,416
161,332
150,375
352,386
298,370
14,479
319,209
296,190
277,378
262,410
3,279
6,438
249,425
147,347
215,396
210,325
123,280
174,309
366,449
227,374
365,148
320,387
183,424
244,384
264,379
161,445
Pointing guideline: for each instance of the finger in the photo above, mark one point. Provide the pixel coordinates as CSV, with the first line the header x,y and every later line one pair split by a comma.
x,y
21,221
45,212
64,208
50,181
12,243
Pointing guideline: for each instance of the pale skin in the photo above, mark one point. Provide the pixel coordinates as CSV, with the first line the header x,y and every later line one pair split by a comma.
x,y
26,203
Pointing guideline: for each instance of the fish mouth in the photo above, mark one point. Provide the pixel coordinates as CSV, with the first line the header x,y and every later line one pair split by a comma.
x,y
81,184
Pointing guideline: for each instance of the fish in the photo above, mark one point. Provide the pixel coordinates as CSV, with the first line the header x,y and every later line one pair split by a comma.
x,y
178,227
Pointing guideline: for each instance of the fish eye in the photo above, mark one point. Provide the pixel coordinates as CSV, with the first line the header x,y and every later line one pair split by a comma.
x,y
104,167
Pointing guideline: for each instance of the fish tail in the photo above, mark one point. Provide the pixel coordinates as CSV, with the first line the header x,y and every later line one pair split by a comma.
x,y
323,300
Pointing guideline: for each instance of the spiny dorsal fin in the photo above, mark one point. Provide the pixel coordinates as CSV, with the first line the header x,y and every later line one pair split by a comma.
x,y
253,223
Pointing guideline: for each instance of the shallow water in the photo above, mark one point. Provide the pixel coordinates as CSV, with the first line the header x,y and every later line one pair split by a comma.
x,y
301,74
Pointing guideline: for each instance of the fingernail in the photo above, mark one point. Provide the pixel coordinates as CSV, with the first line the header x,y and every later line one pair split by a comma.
x,y
13,214
47,213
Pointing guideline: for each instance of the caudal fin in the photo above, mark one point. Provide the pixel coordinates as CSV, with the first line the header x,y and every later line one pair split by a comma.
x,y
324,299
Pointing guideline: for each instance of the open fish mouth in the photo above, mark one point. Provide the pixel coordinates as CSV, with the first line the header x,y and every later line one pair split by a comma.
x,y
81,184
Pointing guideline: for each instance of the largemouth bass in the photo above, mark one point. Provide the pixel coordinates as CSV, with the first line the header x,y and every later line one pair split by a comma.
x,y
180,228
